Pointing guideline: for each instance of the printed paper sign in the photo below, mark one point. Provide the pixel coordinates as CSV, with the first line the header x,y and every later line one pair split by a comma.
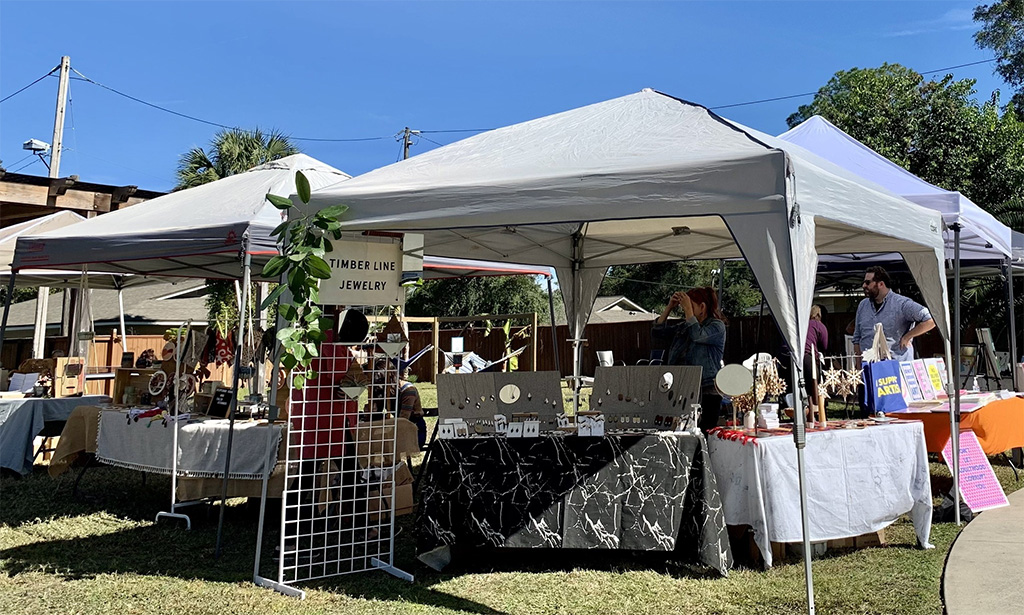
x,y
364,273
911,388
979,486
935,376
923,380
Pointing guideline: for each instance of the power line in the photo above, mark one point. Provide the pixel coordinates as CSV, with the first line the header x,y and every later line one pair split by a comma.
x,y
208,122
32,162
766,100
9,96
14,164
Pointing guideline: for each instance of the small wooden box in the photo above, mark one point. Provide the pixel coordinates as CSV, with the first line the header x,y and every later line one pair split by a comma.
x,y
69,376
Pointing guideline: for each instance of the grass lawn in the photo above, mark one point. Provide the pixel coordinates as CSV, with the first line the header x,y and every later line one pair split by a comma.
x,y
105,555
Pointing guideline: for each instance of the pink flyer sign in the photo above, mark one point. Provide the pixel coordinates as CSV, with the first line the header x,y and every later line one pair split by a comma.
x,y
978,483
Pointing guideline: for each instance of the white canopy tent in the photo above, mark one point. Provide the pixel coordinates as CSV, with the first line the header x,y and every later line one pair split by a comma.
x,y
219,230
642,178
983,238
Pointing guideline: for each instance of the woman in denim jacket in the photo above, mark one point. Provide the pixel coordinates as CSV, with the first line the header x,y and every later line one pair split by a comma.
x,y
699,339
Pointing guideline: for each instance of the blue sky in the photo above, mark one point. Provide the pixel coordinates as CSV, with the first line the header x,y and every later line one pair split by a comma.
x,y
359,70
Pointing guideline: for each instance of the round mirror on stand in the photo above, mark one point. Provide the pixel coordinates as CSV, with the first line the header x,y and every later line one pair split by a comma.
x,y
732,381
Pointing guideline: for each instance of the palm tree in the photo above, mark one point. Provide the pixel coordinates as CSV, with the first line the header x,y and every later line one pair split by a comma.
x,y
231,151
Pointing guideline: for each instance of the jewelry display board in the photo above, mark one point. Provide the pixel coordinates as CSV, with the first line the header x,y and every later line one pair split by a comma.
x,y
477,398
644,396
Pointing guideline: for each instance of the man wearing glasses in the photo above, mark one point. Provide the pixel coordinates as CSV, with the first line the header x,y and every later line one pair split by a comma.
x,y
902,318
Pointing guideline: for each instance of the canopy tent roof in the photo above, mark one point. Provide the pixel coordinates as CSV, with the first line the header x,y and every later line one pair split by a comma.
x,y
556,191
982,238
439,267
54,277
200,232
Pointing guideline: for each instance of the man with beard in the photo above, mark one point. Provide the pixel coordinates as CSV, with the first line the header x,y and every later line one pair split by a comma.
x,y
902,318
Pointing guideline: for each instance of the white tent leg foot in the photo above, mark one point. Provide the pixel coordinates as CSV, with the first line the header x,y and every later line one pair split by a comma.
x,y
280,588
170,515
388,568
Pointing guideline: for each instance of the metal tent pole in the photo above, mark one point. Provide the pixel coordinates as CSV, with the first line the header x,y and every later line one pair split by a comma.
x,y
554,329
175,388
954,416
800,440
246,267
7,309
1013,325
120,307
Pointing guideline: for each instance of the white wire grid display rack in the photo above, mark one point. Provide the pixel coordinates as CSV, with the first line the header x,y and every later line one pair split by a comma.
x,y
338,502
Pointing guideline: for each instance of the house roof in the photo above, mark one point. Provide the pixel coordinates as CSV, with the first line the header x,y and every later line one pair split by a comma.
x,y
617,302
613,309
155,304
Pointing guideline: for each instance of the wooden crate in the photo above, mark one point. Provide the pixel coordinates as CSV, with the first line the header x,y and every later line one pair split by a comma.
x,y
136,377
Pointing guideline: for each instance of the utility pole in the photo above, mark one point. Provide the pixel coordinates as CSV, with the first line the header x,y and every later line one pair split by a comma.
x,y
407,141
56,144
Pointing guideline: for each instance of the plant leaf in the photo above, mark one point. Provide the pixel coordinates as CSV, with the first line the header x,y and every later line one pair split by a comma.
x,y
275,267
298,381
332,212
280,202
318,267
280,228
272,297
302,186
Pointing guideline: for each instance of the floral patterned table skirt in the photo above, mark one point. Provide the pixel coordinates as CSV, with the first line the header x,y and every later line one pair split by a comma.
x,y
652,492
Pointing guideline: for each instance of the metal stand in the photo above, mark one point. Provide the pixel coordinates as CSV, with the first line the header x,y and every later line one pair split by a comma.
x,y
175,389
800,440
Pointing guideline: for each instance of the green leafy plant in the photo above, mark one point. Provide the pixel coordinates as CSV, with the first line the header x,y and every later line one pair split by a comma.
x,y
304,241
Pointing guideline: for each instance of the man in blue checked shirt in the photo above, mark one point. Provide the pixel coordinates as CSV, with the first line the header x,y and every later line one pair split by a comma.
x,y
902,318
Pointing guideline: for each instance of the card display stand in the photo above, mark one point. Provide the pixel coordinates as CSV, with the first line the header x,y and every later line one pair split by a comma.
x,y
477,398
644,396
69,376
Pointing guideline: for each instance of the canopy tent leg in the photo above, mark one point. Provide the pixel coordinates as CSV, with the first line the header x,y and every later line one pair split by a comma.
x,y
954,415
554,329
120,313
39,333
234,396
7,310
800,440
1013,326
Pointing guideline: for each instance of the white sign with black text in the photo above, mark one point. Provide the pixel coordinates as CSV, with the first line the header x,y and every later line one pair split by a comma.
x,y
364,273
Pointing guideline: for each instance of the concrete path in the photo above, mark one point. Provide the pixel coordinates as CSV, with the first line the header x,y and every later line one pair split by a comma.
x,y
984,572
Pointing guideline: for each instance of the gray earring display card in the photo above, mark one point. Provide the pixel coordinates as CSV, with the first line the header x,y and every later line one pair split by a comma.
x,y
478,398
644,396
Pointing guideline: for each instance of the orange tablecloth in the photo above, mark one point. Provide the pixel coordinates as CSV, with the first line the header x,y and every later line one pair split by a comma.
x,y
998,425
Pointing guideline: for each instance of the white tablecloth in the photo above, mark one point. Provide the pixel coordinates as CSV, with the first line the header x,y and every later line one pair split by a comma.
x,y
858,481
202,446
21,419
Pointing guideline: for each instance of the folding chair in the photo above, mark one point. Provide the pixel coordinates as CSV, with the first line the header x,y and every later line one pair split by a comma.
x,y
657,358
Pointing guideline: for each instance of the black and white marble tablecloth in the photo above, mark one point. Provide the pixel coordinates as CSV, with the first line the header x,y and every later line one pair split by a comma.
x,y
652,492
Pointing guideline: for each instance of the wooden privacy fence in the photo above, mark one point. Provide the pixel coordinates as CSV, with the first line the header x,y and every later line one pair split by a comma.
x,y
105,357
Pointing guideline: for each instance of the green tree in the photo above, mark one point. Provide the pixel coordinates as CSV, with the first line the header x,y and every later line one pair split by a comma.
x,y
929,127
651,284
231,152
481,295
1002,31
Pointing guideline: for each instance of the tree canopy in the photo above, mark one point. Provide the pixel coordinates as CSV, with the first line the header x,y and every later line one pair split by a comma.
x,y
933,128
651,284
481,295
1002,31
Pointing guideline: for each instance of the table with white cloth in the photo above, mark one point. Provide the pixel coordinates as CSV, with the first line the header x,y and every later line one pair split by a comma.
x,y
858,481
146,445
22,419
